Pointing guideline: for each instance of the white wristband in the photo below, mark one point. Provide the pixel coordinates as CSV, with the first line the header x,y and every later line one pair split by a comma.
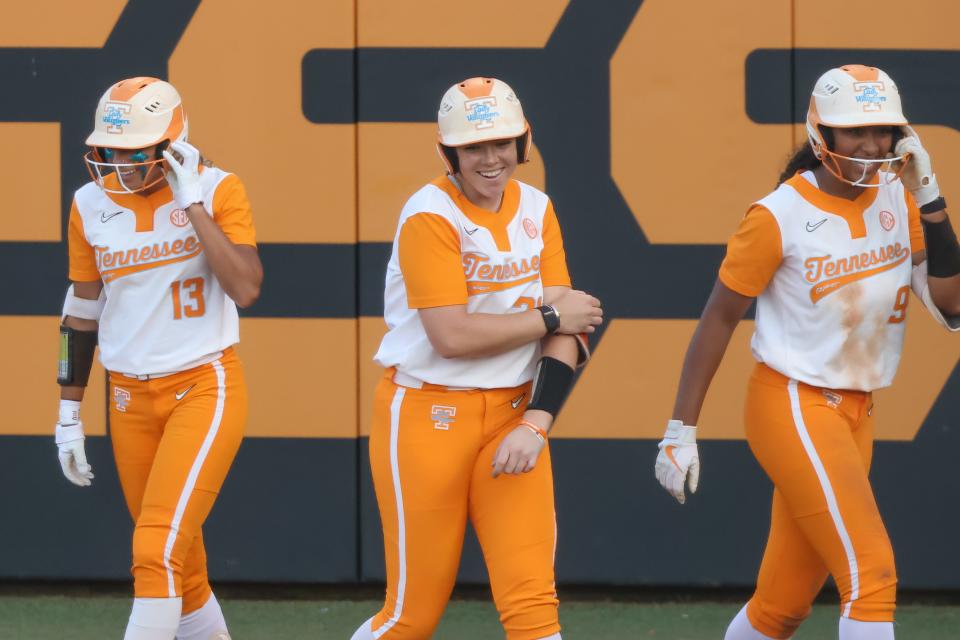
x,y
69,412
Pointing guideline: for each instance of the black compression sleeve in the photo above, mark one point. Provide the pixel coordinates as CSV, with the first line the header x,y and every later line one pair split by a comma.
x,y
551,385
76,356
943,251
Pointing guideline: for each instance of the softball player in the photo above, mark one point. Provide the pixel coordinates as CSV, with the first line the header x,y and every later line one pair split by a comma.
x,y
162,249
830,256
477,302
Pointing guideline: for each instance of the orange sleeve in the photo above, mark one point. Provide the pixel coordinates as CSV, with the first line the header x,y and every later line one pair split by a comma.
x,y
553,259
754,253
231,211
83,261
917,241
430,260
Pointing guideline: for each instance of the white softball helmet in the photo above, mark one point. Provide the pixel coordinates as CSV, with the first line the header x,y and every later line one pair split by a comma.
x,y
852,96
133,114
480,110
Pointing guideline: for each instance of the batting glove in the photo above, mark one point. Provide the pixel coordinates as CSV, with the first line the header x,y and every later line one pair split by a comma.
x,y
69,438
678,459
184,178
917,175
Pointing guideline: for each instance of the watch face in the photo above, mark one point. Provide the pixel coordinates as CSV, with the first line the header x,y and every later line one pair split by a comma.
x,y
550,318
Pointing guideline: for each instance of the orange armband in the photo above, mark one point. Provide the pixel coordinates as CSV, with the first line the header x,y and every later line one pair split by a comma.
x,y
540,432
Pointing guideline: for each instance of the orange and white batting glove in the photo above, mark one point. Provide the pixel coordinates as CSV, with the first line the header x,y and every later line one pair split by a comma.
x,y
678,459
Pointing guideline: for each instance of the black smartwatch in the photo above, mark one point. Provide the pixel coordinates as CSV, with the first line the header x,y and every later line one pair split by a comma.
x,y
551,318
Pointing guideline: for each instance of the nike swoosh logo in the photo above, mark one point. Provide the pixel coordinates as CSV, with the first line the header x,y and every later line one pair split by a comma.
x,y
669,452
470,232
516,401
179,394
814,227
104,217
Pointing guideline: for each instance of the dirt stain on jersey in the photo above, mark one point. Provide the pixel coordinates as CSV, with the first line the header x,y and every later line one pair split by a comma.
x,y
860,357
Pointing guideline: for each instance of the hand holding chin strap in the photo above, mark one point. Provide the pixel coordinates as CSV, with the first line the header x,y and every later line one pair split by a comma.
x,y
915,168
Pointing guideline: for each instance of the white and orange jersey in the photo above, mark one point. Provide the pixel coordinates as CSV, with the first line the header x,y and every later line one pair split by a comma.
x,y
165,310
832,280
448,251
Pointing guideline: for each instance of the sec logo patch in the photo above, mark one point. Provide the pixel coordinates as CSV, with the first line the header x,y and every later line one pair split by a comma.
x,y
530,228
179,217
887,220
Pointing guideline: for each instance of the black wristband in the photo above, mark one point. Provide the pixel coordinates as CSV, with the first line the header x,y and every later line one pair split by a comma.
x,y
551,318
76,356
933,206
943,251
551,385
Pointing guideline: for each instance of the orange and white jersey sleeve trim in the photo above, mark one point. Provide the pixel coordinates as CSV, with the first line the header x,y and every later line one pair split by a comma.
x,y
431,263
917,241
231,211
754,253
83,261
553,258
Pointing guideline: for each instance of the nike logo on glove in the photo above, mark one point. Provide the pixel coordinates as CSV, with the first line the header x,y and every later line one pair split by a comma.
x,y
105,217
179,394
470,232
516,401
814,227
669,451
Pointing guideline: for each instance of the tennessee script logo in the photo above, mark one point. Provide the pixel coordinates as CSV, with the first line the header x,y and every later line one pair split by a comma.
x,y
483,277
116,264
843,271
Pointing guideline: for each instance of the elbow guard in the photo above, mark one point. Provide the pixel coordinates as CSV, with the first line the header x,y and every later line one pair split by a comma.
x,y
76,356
551,384
583,349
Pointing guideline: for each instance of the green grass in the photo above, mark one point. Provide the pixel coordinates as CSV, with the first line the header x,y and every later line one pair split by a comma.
x,y
95,618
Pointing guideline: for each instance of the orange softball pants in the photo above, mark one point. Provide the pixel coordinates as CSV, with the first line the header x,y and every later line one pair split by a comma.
x,y
431,452
815,445
174,439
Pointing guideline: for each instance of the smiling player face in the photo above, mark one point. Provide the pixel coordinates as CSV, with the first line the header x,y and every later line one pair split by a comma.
x,y
134,167
485,170
869,143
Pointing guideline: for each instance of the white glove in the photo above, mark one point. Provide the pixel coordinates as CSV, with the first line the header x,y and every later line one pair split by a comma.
x,y
73,459
184,178
678,459
917,175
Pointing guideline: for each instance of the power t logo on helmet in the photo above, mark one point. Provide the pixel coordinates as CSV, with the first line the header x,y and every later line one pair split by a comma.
x,y
848,97
134,114
480,110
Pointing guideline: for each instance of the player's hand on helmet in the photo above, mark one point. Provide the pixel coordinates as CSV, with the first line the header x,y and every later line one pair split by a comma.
x,y
917,175
69,439
183,175
678,460
579,312
518,451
